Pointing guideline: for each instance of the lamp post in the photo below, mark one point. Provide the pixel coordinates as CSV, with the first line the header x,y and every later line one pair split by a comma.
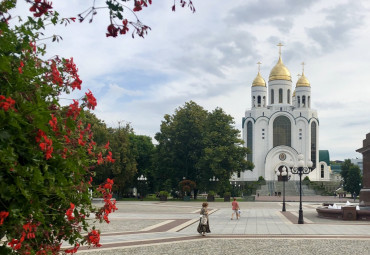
x,y
301,169
285,176
142,180
213,180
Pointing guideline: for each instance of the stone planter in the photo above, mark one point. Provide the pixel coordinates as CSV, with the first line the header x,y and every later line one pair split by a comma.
x,y
210,198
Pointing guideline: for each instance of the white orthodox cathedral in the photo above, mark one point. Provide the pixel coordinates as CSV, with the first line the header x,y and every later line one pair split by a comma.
x,y
281,125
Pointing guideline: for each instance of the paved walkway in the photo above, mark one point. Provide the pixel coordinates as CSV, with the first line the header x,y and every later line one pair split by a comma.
x,y
170,228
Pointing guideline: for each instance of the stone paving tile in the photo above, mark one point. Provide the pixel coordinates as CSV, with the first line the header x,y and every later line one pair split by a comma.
x,y
259,220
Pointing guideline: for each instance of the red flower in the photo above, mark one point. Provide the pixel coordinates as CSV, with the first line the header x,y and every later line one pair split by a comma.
x,y
69,212
15,244
124,29
91,100
7,104
53,123
29,230
137,6
112,31
46,144
107,145
39,8
67,139
71,68
73,250
100,159
109,157
94,238
73,110
57,79
3,215
20,70
81,141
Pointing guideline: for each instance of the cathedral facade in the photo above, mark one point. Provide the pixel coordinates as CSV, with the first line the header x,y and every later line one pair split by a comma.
x,y
280,126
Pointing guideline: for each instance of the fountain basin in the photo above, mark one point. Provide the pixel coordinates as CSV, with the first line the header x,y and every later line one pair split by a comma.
x,y
346,212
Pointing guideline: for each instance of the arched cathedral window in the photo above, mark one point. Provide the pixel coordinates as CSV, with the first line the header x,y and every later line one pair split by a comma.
x,y
288,96
280,96
322,171
309,101
259,101
299,101
264,101
313,144
272,96
250,140
282,131
303,101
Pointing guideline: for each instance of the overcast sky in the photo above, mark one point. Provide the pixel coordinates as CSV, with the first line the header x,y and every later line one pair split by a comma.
x,y
210,57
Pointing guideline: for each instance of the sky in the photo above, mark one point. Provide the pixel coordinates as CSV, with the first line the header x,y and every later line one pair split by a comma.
x,y
210,57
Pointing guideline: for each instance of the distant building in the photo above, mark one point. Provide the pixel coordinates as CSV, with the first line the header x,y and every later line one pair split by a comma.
x,y
358,162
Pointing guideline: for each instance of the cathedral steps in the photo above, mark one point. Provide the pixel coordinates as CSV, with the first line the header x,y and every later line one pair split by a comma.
x,y
291,189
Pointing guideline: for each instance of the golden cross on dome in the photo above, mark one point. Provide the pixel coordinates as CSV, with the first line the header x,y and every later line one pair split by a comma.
x,y
259,66
303,67
280,45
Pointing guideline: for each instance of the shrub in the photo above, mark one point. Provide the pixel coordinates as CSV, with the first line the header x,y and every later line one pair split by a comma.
x,y
163,193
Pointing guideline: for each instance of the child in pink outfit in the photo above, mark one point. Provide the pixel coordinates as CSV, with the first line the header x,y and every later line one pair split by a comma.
x,y
235,208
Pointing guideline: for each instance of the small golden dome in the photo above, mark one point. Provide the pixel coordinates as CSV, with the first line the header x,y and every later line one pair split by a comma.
x,y
303,82
280,72
259,81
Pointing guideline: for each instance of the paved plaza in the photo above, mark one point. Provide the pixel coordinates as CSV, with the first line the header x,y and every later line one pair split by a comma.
x,y
170,228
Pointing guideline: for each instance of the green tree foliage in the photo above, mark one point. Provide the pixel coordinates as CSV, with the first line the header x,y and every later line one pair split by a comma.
x,y
352,177
143,151
123,169
180,144
198,144
223,152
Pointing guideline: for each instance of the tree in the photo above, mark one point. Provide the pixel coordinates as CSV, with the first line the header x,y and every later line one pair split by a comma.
x,y
352,178
346,166
143,150
353,181
180,144
197,145
223,153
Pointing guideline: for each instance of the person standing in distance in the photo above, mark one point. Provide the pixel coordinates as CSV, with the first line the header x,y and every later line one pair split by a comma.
x,y
235,208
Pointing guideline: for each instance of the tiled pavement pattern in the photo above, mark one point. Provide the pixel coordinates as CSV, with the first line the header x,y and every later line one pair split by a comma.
x,y
170,228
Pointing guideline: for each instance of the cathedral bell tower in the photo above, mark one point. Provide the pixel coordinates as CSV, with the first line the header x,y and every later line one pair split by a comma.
x,y
259,91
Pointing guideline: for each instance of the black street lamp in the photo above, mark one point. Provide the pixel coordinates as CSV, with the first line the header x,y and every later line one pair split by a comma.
x,y
301,169
213,180
142,181
285,176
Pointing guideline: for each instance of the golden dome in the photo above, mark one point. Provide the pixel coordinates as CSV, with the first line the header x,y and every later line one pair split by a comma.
x,y
303,82
280,72
259,81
